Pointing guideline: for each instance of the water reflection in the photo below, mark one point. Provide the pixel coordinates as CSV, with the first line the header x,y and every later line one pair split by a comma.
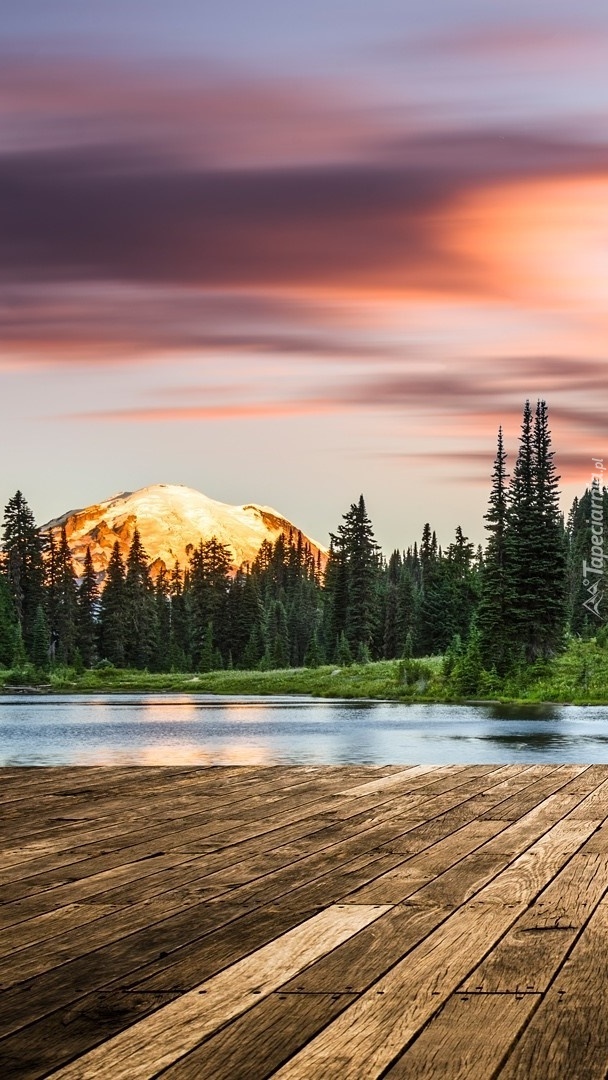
x,y
531,711
189,729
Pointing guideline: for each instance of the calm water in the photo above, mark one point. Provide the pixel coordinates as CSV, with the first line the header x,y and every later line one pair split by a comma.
x,y
151,729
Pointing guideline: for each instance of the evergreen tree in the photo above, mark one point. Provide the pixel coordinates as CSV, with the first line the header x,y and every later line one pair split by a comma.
x,y
180,639
206,662
88,606
276,653
207,591
391,643
335,596
407,611
112,611
432,630
8,625
41,640
468,669
64,624
493,618
19,658
535,544
139,612
344,655
244,617
23,562
357,551
253,655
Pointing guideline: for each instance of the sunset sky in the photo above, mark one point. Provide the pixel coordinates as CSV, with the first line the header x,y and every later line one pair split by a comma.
x,y
291,252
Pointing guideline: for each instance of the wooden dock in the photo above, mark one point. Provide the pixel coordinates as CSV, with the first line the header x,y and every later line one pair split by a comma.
x,y
339,923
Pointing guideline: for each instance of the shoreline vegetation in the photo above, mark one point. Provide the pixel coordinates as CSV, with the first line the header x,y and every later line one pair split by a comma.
x,y
521,621
578,676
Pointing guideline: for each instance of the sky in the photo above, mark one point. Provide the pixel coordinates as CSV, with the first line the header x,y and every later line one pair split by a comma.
x,y
291,253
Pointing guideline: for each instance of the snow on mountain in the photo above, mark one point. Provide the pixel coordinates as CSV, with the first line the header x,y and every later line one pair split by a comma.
x,y
172,519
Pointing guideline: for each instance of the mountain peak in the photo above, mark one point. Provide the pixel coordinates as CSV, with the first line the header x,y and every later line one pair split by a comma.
x,y
171,519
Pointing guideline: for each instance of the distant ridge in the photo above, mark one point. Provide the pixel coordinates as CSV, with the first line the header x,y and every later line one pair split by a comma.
x,y
172,520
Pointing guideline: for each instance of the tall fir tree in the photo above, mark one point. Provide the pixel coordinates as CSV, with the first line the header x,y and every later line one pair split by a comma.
x,y
8,624
495,633
41,640
112,611
140,616
88,609
359,557
64,624
24,567
535,544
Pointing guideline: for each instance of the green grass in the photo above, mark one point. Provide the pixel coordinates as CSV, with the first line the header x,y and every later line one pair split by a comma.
x,y
578,676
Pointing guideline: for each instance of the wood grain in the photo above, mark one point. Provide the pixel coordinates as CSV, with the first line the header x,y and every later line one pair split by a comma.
x,y
307,923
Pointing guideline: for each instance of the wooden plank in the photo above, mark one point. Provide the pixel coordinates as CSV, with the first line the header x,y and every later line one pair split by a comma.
x,y
381,1023
40,1048
193,815
162,1038
393,780
358,963
266,849
29,1001
416,871
89,1018
568,1034
95,886
256,1044
167,841
525,801
467,1038
529,955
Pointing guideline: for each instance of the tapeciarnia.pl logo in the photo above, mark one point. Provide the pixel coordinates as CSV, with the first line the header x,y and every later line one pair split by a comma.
x,y
593,571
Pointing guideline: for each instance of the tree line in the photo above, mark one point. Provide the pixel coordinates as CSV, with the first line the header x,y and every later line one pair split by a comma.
x,y
485,610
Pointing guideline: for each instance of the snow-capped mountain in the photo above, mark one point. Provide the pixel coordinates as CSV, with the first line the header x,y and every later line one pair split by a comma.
x,y
171,520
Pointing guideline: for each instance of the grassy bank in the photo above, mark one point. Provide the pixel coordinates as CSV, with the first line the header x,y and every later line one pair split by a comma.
x,y
578,676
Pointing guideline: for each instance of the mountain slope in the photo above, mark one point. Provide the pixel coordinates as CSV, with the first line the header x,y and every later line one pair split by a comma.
x,y
171,519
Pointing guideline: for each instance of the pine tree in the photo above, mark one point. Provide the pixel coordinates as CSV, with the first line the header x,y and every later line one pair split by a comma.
x,y
180,651
8,625
64,626
41,640
494,613
207,591
244,616
468,669
112,611
549,597
88,606
24,567
358,552
206,662
391,644
535,544
276,653
335,596
344,655
139,618
19,657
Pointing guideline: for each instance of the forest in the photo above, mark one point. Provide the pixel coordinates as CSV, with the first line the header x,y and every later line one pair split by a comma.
x,y
487,611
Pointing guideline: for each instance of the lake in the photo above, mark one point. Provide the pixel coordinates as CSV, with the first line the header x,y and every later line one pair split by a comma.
x,y
153,729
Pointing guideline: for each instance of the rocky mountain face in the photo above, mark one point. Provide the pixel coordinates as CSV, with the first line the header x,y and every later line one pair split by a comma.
x,y
171,520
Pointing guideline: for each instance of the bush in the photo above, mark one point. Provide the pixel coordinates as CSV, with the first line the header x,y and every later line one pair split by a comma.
x,y
413,673
27,675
